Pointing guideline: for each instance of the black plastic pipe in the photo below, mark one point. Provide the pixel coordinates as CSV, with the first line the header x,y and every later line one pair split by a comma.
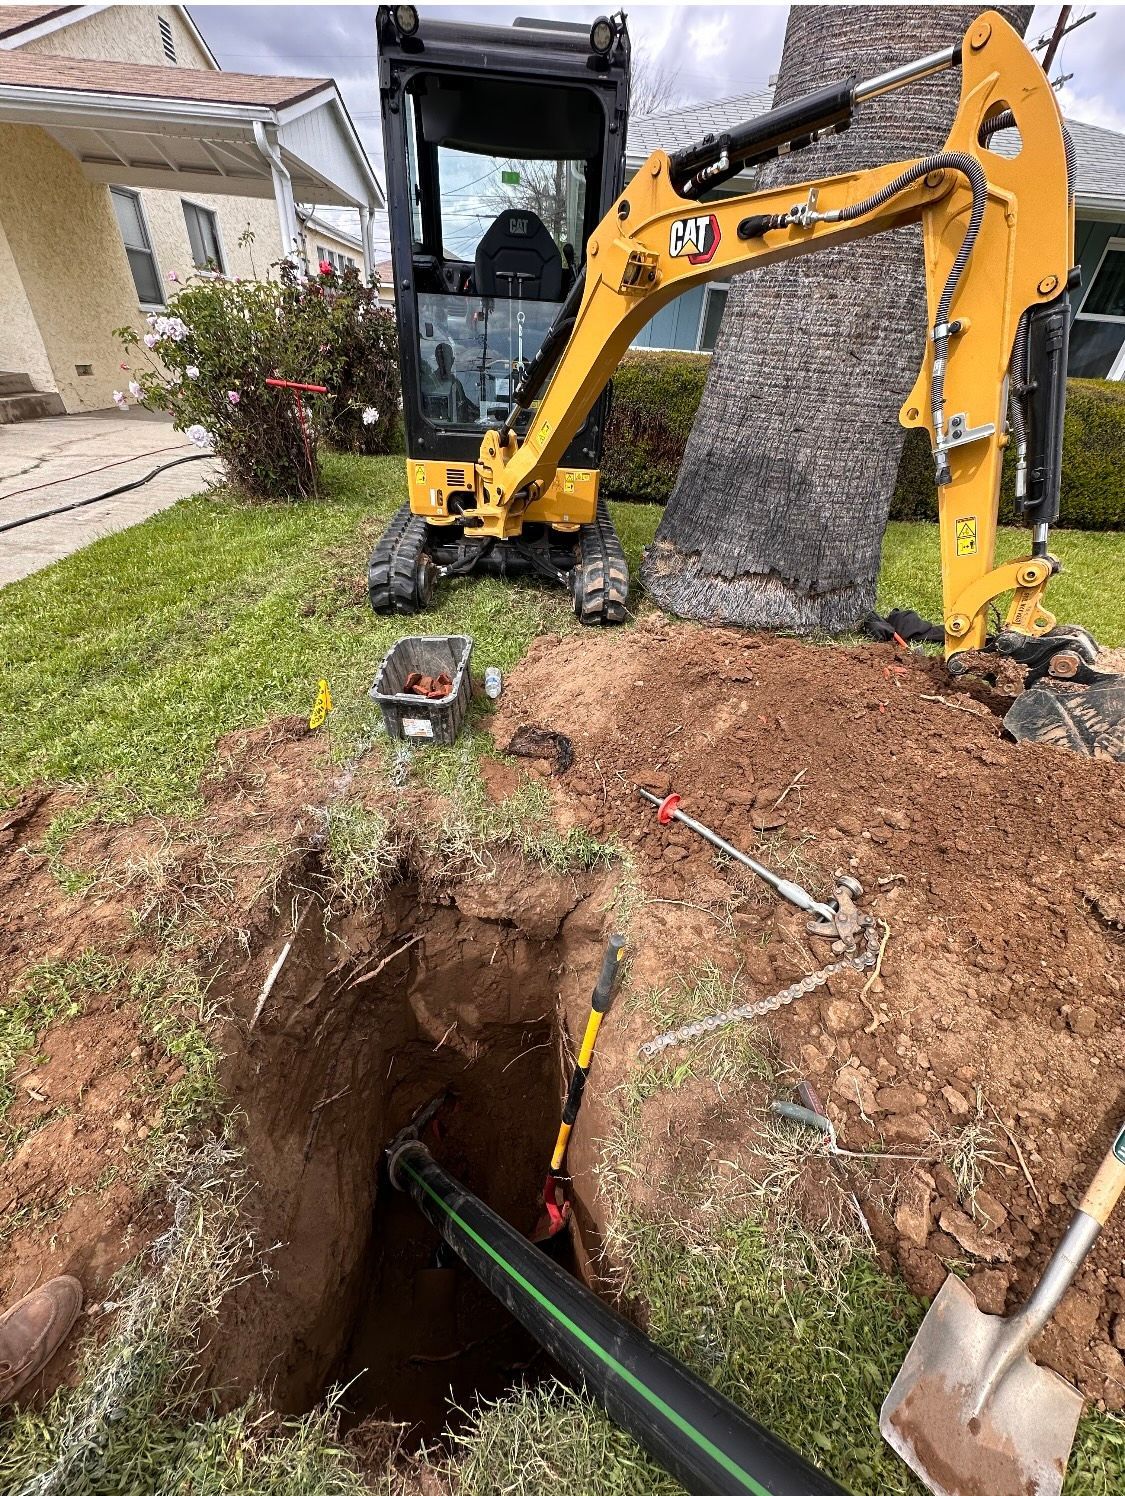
x,y
709,1445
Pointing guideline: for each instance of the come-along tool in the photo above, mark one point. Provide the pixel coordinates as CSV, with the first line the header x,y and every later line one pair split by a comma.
x,y
838,913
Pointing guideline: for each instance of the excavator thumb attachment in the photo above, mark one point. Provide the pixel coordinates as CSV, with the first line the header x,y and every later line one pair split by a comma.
x,y
1086,719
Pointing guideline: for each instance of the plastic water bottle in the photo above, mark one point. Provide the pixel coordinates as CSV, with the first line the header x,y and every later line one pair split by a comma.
x,y
493,682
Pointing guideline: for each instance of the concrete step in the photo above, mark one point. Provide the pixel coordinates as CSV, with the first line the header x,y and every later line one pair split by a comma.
x,y
15,384
31,406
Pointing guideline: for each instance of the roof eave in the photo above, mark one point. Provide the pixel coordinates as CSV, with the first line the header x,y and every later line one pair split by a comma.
x,y
1105,207
331,96
144,106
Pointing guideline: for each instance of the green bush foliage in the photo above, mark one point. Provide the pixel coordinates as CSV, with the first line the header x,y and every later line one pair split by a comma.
x,y
655,396
364,382
206,361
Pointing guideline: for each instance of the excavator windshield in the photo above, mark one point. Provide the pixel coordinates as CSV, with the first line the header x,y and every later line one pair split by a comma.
x,y
512,229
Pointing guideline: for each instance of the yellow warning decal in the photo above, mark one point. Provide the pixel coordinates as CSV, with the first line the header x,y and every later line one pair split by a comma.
x,y
419,473
321,706
568,483
544,431
966,535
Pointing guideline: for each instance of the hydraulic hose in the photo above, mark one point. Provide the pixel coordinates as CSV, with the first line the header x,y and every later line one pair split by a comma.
x,y
969,167
709,1445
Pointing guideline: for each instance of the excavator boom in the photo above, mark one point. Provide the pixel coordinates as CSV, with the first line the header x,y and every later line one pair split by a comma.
x,y
998,247
998,235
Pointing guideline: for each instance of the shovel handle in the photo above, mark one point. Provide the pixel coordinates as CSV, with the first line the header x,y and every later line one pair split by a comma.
x,y
1108,1183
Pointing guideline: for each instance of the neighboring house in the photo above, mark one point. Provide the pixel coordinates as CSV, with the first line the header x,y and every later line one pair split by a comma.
x,y
322,241
1097,339
385,272
691,321
128,157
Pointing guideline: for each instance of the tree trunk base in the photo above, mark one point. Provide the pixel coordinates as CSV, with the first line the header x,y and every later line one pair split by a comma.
x,y
680,584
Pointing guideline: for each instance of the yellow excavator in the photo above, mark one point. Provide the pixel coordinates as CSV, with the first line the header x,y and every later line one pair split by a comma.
x,y
510,335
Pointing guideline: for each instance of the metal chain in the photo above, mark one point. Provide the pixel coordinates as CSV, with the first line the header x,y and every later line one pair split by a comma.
x,y
858,961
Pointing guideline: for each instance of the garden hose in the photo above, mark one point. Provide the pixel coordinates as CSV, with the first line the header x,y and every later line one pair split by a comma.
x,y
98,498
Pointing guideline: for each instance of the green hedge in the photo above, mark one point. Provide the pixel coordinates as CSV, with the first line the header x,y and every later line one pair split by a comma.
x,y
655,396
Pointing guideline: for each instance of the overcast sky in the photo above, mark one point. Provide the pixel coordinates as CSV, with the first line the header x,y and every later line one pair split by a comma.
x,y
715,51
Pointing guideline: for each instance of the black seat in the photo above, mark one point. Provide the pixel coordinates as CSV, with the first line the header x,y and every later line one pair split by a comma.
x,y
518,258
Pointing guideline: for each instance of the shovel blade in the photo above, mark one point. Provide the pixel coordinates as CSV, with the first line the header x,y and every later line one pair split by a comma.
x,y
1017,1444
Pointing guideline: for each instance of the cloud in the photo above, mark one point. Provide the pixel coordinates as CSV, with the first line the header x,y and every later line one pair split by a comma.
x,y
713,51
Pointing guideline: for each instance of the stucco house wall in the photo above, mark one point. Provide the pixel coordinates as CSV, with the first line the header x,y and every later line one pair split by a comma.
x,y
125,33
315,237
62,233
21,347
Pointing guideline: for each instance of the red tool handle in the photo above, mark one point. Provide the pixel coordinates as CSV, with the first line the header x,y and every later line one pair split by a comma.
x,y
555,1215
293,384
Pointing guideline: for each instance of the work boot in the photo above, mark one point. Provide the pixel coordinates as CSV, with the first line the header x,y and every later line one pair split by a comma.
x,y
32,1331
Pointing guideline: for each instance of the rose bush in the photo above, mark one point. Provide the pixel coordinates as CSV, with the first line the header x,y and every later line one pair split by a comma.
x,y
207,360
365,380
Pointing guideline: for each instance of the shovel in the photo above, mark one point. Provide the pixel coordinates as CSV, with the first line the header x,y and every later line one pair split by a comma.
x,y
970,1412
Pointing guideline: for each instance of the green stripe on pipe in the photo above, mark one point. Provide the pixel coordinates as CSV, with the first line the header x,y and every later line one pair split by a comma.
x,y
600,1351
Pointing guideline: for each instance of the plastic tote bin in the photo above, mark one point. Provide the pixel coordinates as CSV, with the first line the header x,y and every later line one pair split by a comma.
x,y
413,717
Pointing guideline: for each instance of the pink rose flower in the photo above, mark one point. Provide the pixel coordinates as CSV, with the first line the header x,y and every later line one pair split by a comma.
x,y
325,267
172,276
233,396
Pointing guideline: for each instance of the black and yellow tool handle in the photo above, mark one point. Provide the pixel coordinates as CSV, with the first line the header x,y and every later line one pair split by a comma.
x,y
600,1004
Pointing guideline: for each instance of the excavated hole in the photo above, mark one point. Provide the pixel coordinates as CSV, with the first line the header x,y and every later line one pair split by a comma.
x,y
345,1052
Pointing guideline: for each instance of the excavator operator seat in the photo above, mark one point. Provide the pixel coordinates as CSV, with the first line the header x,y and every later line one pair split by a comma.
x,y
518,259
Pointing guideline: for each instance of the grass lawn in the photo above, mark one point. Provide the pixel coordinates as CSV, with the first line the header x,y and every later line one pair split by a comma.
x,y
125,662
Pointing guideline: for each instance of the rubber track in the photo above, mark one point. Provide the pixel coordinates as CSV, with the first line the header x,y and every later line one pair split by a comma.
x,y
393,568
601,574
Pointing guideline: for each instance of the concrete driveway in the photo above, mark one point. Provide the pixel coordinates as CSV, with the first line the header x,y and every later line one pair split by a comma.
x,y
46,464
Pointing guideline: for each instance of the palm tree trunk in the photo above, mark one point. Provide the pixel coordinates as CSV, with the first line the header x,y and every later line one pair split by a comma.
x,y
777,516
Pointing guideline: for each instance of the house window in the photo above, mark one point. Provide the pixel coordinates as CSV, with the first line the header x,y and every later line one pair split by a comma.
x,y
1097,338
138,246
714,302
167,41
336,258
203,236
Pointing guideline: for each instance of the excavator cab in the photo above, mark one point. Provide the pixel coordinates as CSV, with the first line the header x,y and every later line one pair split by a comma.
x,y
504,147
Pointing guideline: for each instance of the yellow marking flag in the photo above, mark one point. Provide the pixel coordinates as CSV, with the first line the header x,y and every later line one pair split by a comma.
x,y
321,706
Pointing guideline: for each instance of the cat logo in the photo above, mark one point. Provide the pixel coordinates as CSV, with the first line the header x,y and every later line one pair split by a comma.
x,y
518,228
697,238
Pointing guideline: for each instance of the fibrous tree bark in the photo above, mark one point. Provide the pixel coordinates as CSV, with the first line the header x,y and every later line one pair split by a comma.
x,y
778,512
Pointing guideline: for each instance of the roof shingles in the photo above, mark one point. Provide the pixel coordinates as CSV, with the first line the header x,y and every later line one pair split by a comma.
x,y
16,18
198,85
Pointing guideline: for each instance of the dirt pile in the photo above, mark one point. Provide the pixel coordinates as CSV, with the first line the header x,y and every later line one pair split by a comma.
x,y
992,1038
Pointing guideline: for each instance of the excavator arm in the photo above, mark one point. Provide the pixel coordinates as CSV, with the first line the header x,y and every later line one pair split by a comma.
x,y
998,235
